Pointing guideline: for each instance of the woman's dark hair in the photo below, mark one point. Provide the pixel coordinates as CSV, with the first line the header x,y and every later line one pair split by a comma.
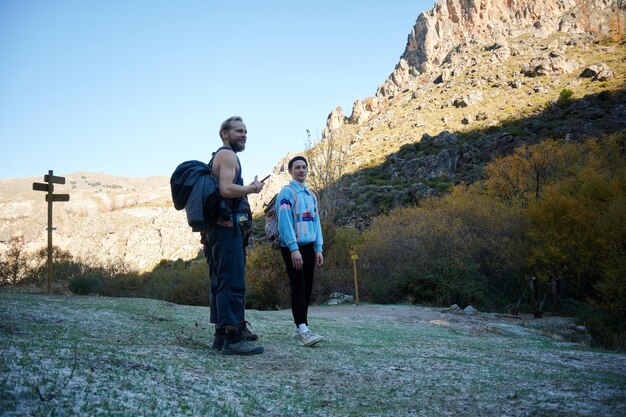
x,y
297,158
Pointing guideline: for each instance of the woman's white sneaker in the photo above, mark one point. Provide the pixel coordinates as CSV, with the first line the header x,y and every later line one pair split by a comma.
x,y
310,339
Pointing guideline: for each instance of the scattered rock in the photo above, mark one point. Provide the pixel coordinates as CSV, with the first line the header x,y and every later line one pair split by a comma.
x,y
339,298
600,72
419,190
441,140
470,310
553,64
471,99
500,54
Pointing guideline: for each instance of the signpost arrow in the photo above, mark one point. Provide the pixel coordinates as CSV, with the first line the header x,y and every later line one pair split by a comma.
x,y
58,197
38,186
54,179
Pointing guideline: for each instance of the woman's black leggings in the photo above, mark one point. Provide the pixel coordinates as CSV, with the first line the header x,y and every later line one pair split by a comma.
x,y
300,281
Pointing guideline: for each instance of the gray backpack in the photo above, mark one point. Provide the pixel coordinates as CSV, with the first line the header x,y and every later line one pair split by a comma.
x,y
271,220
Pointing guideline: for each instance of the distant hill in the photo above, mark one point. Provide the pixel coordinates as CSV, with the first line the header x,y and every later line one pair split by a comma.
x,y
107,218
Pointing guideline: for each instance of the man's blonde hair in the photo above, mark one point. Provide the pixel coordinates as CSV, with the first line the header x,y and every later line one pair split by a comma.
x,y
226,124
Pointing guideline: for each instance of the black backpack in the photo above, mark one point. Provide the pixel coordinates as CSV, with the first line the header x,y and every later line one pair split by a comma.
x,y
204,205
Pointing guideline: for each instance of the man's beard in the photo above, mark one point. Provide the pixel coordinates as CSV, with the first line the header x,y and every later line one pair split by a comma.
x,y
235,146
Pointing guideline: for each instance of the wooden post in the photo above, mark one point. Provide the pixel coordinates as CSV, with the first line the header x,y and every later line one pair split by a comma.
x,y
556,290
50,190
356,281
534,296
50,180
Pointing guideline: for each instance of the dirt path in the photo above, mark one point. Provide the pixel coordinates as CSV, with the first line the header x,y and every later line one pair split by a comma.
x,y
563,328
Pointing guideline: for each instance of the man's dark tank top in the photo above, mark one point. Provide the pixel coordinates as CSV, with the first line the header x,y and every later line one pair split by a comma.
x,y
238,180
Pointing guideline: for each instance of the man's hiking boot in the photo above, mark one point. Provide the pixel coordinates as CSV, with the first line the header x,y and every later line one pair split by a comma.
x,y
218,341
236,344
247,334
310,339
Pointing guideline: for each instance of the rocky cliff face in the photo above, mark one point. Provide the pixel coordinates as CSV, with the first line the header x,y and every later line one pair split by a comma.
x,y
452,25
476,79
457,22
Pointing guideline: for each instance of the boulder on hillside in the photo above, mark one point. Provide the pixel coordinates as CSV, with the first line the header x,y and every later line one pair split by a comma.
x,y
553,64
419,190
443,164
469,100
599,72
441,140
500,51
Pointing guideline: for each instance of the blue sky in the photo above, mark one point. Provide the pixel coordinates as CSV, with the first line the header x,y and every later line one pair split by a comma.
x,y
133,88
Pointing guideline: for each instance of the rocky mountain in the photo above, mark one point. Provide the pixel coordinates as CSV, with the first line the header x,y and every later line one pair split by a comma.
x,y
477,78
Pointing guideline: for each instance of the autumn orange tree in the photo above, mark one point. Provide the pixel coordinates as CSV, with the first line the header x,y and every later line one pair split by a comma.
x,y
520,178
573,195
463,248
579,234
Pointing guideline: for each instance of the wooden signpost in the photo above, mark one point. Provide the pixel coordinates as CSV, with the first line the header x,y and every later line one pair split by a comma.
x,y
50,180
354,258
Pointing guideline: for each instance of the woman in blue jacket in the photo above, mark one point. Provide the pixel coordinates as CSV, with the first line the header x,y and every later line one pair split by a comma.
x,y
301,243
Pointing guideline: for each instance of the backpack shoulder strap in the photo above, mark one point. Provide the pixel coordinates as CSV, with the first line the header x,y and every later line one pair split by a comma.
x,y
233,203
213,157
294,211
295,192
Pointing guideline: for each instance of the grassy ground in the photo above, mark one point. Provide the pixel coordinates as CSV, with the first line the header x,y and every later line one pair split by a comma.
x,y
96,356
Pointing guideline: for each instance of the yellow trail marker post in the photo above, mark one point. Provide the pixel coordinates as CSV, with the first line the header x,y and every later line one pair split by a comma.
x,y
356,281
50,180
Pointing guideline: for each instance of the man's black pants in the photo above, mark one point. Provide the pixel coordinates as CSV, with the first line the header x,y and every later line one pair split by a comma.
x,y
226,259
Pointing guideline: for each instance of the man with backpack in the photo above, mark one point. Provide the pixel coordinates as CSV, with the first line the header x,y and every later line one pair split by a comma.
x,y
224,246
300,237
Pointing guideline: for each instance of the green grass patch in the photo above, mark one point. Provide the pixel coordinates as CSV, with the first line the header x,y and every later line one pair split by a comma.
x,y
102,356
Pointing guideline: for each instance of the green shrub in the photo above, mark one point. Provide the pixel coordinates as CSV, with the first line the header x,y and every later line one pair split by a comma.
x,y
446,282
337,273
462,283
377,181
86,285
192,288
267,284
462,248
565,98
163,279
607,329
442,184
124,285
